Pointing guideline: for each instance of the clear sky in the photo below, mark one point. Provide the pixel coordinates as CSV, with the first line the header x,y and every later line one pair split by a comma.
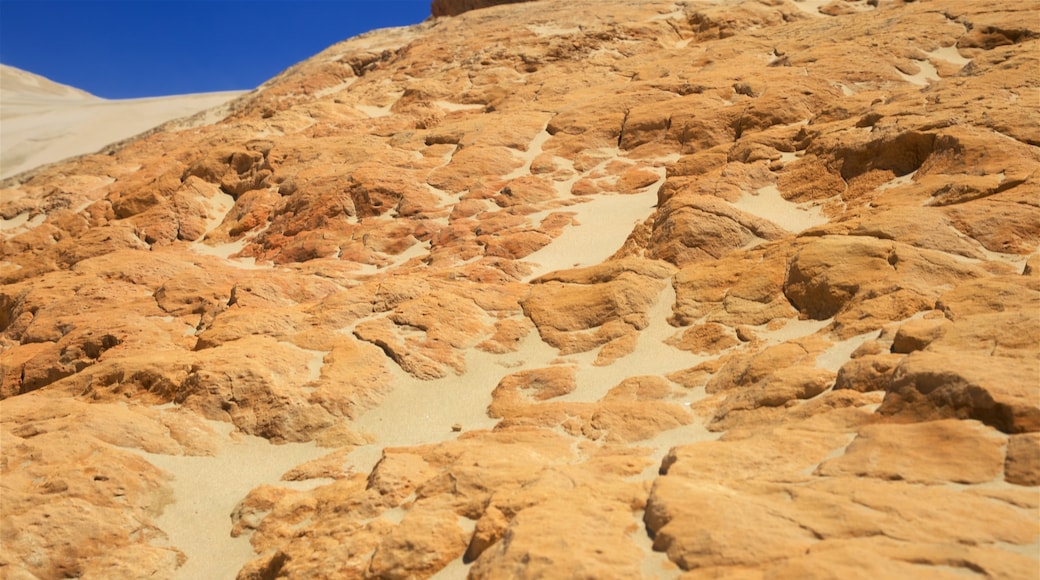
x,y
120,49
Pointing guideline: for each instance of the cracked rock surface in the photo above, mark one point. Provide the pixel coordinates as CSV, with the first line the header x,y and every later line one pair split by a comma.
x,y
595,289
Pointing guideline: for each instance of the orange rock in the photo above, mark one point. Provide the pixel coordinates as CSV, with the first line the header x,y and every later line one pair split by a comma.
x,y
931,386
424,542
373,206
1022,466
872,281
867,373
529,386
930,452
564,304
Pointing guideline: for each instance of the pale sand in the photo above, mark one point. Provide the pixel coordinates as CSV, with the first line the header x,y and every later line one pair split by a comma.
x,y
451,107
41,124
206,490
418,411
767,203
949,54
811,6
928,74
603,224
20,223
225,251
834,357
15,81
534,149
898,181
549,30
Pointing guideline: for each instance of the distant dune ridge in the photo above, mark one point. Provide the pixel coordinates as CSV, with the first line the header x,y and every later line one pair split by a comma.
x,y
16,83
42,121
598,289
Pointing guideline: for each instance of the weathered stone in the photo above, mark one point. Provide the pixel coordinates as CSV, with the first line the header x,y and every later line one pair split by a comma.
x,y
617,294
423,543
710,338
834,275
867,373
596,546
930,452
528,386
1022,466
997,391
918,334
346,260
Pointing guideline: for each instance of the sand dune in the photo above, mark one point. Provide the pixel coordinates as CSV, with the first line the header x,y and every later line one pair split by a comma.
x,y
42,121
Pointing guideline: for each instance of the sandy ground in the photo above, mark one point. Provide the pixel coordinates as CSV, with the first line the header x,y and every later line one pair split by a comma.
x,y
42,122
767,203
206,490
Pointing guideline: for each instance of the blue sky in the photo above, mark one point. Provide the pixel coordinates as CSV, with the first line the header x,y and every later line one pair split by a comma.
x,y
120,49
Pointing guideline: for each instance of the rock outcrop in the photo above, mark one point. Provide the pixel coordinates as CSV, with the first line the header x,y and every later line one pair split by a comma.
x,y
596,289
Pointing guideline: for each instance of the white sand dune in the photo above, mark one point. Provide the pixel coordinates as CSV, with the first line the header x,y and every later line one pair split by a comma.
x,y
43,122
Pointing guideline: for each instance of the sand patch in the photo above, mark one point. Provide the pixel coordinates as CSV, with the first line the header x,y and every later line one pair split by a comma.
x,y
419,412
546,30
834,357
225,251
928,73
20,223
949,54
602,225
898,181
207,489
767,203
451,107
651,357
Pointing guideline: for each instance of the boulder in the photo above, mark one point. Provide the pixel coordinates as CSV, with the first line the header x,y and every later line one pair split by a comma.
x,y
997,391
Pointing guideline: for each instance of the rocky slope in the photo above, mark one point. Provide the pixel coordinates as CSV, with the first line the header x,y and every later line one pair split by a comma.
x,y
596,289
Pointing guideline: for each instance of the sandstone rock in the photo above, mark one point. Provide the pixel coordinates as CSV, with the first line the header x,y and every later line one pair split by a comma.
x,y
1022,466
790,384
424,335
595,546
881,557
727,292
455,7
489,529
700,461
867,373
930,452
686,522
614,297
873,281
424,542
991,296
921,227
529,386
709,338
746,370
932,386
353,235
74,494
698,228
694,539
918,334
